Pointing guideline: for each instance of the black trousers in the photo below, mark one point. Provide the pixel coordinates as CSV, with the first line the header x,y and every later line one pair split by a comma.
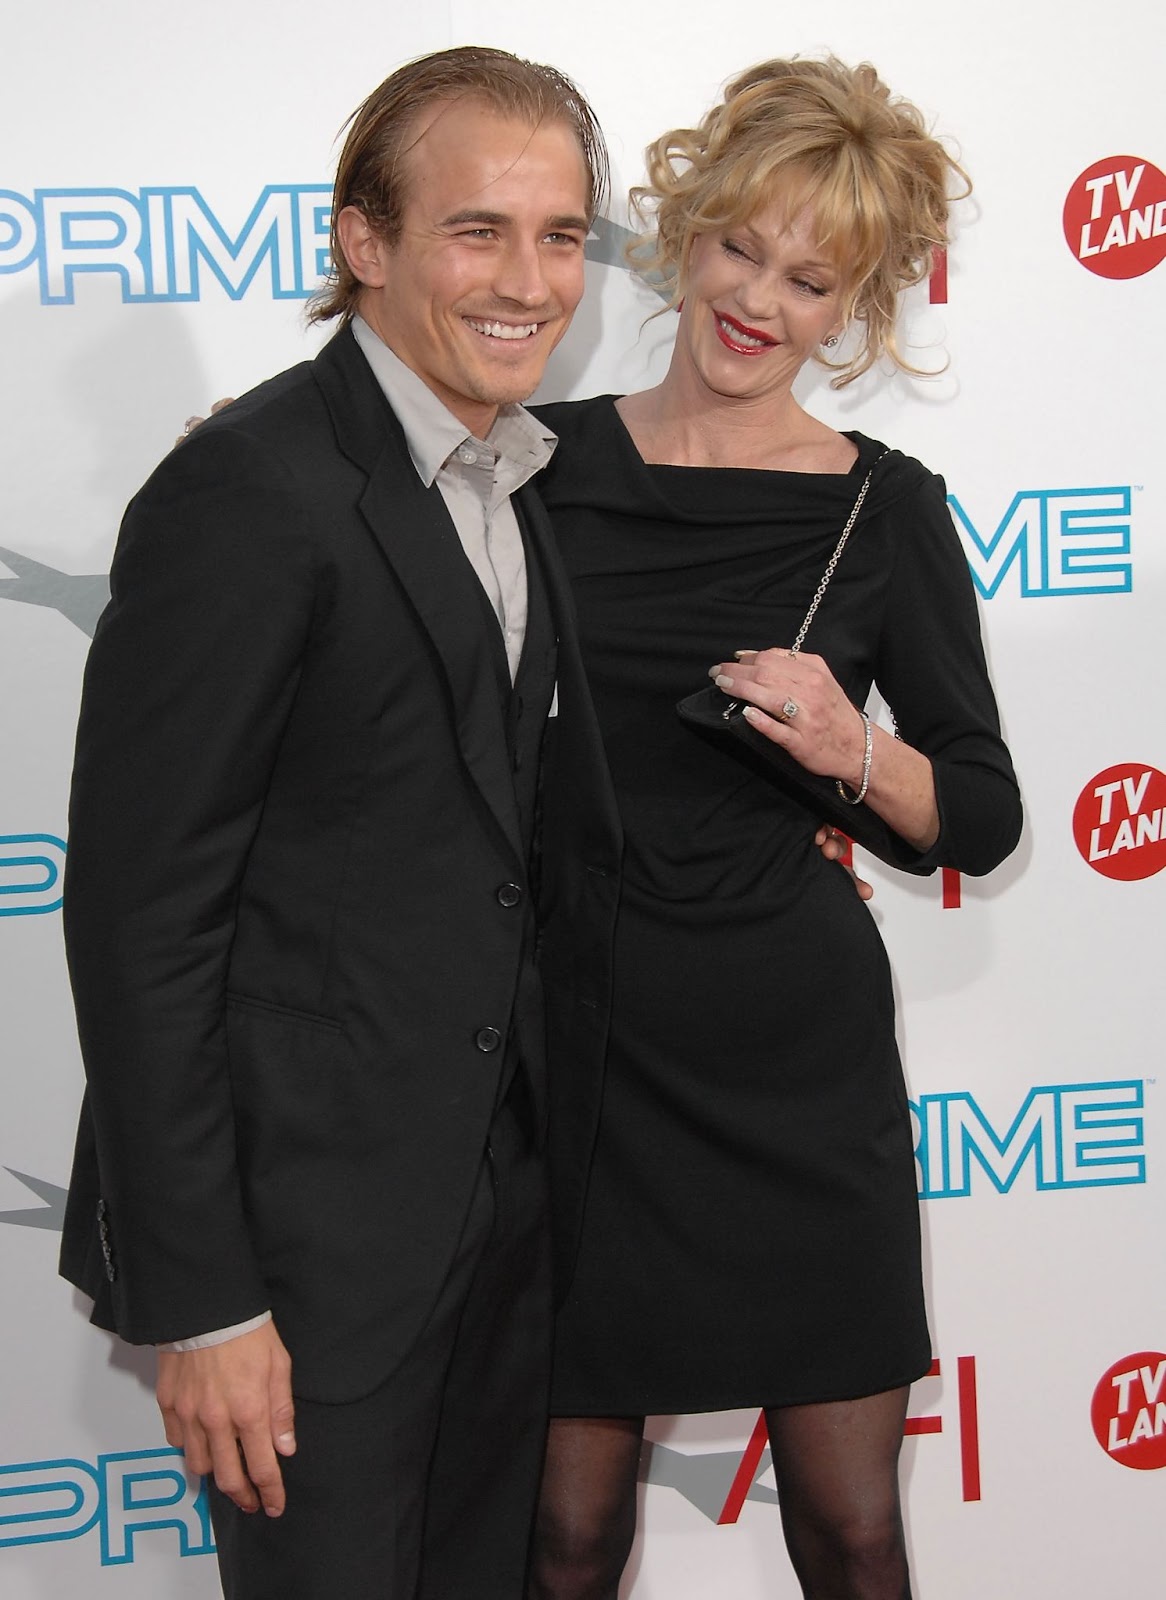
x,y
425,1490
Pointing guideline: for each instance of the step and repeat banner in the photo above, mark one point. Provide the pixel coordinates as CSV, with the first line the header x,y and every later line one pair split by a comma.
x,y
164,190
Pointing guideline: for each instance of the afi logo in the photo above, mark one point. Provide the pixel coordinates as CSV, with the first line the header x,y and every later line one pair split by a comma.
x,y
1129,1411
1064,541
31,870
718,1483
1118,821
124,1496
1115,217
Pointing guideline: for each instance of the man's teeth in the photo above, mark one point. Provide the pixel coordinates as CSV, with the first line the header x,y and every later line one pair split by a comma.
x,y
504,330
739,336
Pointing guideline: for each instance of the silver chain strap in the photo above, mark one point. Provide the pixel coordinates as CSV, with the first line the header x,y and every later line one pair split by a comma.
x,y
794,648
832,563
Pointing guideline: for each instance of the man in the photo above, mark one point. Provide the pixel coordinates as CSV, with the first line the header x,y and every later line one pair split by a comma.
x,y
303,867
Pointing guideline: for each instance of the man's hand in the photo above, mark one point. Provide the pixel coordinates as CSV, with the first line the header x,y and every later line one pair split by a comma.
x,y
229,1409
834,846
192,422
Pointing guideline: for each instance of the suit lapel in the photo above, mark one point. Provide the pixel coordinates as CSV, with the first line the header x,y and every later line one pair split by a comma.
x,y
417,536
595,818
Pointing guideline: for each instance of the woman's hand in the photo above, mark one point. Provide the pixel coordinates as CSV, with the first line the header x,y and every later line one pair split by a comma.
x,y
796,702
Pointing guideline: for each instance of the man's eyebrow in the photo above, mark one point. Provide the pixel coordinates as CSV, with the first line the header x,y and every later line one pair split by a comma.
x,y
487,219
499,219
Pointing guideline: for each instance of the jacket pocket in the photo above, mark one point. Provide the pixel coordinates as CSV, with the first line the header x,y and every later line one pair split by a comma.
x,y
269,1008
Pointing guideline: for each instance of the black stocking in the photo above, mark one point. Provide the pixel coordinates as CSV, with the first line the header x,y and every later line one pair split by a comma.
x,y
837,1481
587,1508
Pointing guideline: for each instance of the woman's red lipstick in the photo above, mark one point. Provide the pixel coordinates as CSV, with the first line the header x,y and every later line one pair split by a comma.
x,y
720,318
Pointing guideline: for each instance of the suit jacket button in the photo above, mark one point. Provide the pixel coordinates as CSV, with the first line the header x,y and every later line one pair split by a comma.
x,y
508,894
487,1039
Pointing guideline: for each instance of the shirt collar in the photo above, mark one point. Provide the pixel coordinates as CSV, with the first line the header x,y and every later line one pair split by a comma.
x,y
433,433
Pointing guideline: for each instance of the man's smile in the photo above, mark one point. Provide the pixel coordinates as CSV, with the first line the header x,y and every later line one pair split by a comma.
x,y
503,330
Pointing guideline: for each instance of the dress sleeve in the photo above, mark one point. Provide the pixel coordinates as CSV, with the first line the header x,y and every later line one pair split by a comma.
x,y
931,671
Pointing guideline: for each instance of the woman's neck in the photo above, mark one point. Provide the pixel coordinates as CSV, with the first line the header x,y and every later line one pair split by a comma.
x,y
682,423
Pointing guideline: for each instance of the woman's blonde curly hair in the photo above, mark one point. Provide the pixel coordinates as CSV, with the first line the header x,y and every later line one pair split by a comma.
x,y
817,134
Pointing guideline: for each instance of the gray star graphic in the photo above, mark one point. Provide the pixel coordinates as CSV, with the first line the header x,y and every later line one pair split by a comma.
x,y
51,1215
607,243
81,598
704,1479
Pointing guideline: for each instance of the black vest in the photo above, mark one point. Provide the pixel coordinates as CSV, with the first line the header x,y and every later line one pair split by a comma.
x,y
524,705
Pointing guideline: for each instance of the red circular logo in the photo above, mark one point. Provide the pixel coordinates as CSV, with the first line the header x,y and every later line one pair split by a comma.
x,y
1119,821
1115,217
1129,1411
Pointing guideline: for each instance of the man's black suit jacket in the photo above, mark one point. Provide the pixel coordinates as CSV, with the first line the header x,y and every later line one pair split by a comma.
x,y
292,815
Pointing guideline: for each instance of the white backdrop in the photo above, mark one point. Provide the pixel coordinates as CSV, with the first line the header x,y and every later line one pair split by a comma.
x,y
162,173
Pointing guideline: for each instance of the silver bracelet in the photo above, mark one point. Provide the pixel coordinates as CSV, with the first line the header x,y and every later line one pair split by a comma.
x,y
838,783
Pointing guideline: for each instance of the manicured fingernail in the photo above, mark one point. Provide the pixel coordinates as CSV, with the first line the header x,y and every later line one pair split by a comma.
x,y
751,714
722,682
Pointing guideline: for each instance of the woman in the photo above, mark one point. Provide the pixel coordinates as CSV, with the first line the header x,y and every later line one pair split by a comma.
x,y
752,1234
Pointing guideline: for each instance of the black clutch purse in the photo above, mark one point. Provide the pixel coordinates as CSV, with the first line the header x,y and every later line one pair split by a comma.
x,y
817,796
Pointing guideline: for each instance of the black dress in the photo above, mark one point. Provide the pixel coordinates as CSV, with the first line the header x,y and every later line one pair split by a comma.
x,y
751,1235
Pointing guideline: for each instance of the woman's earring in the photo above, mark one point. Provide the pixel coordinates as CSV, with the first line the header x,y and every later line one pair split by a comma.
x,y
830,341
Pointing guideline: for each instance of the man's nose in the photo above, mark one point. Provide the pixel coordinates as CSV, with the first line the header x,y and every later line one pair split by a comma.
x,y
521,277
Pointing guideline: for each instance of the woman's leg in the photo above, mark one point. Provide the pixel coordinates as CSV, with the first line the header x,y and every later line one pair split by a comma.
x,y
587,1508
838,1484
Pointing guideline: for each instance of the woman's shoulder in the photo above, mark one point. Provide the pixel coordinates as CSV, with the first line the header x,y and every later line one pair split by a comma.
x,y
576,418
588,433
897,480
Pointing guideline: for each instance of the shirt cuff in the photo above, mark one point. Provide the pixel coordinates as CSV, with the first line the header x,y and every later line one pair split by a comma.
x,y
204,1341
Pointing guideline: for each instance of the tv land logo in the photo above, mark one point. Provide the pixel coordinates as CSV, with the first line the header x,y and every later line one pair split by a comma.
x,y
1068,1136
1118,821
719,1482
32,869
166,245
1129,1411
1061,541
121,1496
1115,217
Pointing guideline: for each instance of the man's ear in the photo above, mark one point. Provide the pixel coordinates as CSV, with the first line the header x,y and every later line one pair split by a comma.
x,y
365,251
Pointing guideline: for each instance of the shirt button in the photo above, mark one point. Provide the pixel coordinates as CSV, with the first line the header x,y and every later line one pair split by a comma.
x,y
487,1039
508,894
470,457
